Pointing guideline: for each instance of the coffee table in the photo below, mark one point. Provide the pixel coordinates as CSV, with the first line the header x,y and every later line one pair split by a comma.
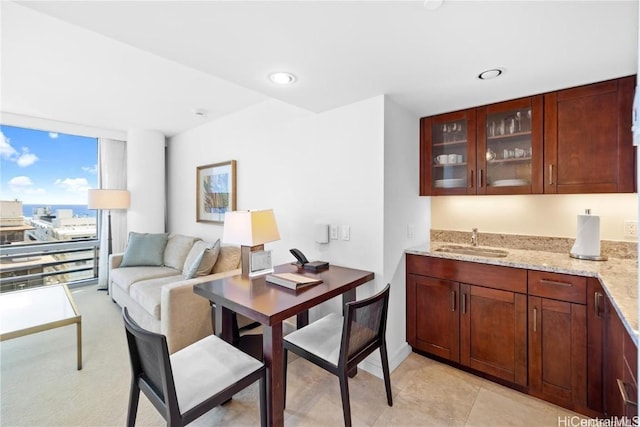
x,y
39,309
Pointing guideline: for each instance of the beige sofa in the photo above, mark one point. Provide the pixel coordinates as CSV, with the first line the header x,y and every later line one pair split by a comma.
x,y
161,299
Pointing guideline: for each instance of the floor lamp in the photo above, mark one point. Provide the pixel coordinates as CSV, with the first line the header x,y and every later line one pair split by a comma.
x,y
108,200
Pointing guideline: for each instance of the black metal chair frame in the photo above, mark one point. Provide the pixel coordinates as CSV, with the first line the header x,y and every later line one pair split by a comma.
x,y
161,390
347,365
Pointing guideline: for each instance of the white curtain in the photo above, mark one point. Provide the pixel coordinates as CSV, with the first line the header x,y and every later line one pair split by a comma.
x,y
112,166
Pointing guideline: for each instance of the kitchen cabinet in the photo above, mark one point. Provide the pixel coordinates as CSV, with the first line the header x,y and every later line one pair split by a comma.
x,y
558,338
470,314
435,327
588,145
448,153
509,149
596,300
620,374
576,140
555,336
495,149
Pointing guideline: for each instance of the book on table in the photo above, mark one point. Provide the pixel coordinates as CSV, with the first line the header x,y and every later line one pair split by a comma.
x,y
292,280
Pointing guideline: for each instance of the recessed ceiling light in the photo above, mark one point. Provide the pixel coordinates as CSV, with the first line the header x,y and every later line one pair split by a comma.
x,y
282,78
490,74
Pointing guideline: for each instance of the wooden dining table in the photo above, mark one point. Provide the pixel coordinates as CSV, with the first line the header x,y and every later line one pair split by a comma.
x,y
271,304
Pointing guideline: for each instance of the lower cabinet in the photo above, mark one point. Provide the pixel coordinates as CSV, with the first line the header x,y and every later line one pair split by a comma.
x,y
558,338
555,336
620,375
481,325
493,330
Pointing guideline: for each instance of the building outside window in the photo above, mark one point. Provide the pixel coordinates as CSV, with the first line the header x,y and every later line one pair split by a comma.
x,y
43,204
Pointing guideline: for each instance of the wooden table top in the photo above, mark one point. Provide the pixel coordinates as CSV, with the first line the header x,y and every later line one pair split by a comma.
x,y
269,303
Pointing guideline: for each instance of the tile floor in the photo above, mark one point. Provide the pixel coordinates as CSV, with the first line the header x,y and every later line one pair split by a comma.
x,y
425,393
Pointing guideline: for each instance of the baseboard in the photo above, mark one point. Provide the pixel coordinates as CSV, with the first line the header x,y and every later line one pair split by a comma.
x,y
373,365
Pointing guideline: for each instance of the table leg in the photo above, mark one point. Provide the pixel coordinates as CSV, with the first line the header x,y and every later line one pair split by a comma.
x,y
224,323
272,350
302,319
348,296
79,337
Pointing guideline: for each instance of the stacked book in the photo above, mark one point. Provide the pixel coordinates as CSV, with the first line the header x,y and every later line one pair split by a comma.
x,y
292,280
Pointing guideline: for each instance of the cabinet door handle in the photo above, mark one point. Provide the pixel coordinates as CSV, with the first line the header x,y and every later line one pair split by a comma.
x,y
464,303
596,303
535,319
471,179
555,283
453,300
550,174
623,393
480,178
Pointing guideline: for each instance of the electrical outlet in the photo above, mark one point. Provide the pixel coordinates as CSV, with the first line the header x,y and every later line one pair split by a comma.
x,y
631,229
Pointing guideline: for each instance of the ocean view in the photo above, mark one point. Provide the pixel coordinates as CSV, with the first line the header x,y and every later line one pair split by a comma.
x,y
78,210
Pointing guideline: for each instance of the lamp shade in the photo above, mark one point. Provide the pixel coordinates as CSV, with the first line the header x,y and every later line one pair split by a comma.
x,y
250,228
108,199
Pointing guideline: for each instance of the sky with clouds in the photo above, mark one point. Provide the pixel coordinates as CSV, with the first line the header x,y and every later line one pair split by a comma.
x,y
46,167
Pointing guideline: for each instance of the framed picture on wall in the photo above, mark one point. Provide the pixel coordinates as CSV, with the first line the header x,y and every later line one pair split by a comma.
x,y
215,191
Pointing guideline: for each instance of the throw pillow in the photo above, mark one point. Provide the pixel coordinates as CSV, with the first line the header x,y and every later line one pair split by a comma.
x,y
144,249
178,247
201,258
229,259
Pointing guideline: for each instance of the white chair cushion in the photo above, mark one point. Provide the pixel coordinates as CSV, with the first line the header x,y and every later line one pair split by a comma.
x,y
206,368
322,337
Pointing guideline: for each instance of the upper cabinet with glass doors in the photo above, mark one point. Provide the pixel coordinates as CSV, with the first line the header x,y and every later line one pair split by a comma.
x,y
448,153
576,140
510,147
495,149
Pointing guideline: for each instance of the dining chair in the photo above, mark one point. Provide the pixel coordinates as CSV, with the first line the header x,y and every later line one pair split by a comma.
x,y
190,382
337,344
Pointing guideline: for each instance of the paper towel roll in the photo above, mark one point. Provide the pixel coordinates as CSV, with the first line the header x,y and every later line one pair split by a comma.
x,y
587,236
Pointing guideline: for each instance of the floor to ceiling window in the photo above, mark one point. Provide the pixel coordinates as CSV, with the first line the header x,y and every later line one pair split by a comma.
x,y
45,226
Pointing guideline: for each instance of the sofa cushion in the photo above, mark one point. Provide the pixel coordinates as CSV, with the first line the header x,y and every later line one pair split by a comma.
x,y
201,259
228,259
144,249
178,247
147,293
124,277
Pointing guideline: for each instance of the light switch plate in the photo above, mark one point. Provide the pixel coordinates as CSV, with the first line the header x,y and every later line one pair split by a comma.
x,y
333,232
346,232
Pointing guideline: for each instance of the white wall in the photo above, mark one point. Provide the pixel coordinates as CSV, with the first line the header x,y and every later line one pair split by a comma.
x,y
406,222
146,181
310,168
538,215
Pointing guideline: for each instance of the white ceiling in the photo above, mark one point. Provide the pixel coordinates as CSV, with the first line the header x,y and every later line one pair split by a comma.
x,y
147,64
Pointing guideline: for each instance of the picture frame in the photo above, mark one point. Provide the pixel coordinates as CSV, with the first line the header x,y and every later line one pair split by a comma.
x,y
215,191
260,263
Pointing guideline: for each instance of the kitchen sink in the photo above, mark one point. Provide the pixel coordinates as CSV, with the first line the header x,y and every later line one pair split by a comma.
x,y
472,250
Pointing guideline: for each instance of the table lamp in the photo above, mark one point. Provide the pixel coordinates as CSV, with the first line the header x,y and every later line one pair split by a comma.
x,y
251,230
108,200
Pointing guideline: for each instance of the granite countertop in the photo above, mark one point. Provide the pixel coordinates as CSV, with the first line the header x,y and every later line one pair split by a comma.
x,y
619,277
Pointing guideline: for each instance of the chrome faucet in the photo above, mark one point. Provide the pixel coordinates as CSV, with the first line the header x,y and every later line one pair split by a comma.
x,y
474,237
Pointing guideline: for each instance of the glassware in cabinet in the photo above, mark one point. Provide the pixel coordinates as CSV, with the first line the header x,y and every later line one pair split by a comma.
x,y
448,153
510,136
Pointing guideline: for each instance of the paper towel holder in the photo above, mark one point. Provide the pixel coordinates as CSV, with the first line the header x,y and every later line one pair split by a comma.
x,y
588,257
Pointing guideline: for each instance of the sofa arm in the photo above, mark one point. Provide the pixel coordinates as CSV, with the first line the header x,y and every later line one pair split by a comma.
x,y
185,317
115,260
